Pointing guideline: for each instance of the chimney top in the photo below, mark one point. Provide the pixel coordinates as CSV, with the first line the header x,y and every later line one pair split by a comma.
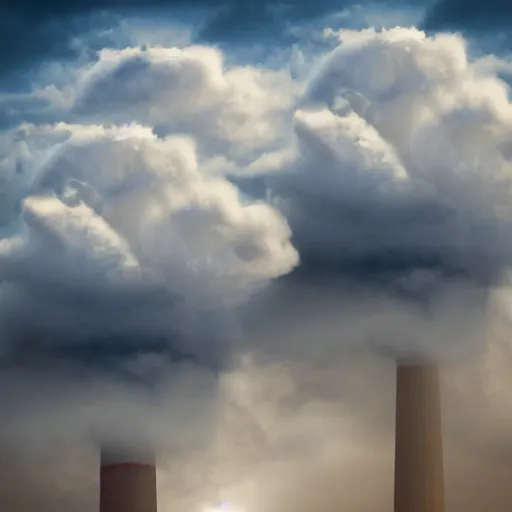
x,y
121,454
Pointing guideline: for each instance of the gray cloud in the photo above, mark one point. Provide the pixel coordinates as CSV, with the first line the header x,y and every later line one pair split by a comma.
x,y
121,263
111,210
391,148
101,245
397,196
65,30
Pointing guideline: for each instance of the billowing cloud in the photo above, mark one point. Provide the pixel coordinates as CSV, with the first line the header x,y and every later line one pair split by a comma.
x,y
407,165
127,247
392,170
119,212
122,260
397,190
236,111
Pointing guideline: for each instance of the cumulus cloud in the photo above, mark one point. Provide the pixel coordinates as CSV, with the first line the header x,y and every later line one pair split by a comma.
x,y
122,261
111,212
397,190
127,249
237,111
411,136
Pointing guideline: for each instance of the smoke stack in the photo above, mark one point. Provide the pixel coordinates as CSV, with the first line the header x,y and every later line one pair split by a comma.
x,y
127,481
419,479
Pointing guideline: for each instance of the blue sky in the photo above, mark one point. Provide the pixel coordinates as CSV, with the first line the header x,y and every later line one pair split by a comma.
x,y
59,30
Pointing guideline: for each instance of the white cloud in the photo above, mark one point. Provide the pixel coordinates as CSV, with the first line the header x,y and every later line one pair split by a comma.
x,y
398,153
406,153
117,212
397,150
237,111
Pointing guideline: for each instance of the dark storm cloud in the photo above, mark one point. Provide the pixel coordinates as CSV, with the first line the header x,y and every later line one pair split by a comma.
x,y
110,349
245,20
35,32
462,15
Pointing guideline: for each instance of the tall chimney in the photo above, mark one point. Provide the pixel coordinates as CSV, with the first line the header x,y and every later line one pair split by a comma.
x,y
127,481
419,479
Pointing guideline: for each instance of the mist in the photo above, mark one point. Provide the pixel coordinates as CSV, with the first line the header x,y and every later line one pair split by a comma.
x,y
286,438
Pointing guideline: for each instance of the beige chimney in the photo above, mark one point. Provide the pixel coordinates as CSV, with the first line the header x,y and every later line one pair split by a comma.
x,y
419,479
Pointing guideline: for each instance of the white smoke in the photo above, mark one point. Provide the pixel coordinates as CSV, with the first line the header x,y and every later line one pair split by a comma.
x,y
118,210
398,192
406,154
120,244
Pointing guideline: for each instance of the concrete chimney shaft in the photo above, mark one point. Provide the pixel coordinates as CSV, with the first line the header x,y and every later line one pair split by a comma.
x,y
127,482
419,479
